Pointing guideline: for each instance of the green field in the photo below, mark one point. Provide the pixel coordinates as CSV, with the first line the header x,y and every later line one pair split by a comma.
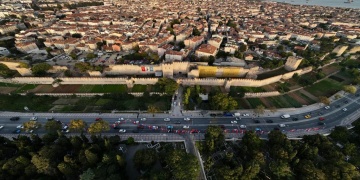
x,y
246,89
34,103
108,88
254,102
26,88
326,87
292,101
139,88
2,84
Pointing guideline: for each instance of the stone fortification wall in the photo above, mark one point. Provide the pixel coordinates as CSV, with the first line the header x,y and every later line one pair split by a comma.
x,y
133,69
137,94
181,67
11,65
202,81
93,80
144,81
33,80
262,94
24,71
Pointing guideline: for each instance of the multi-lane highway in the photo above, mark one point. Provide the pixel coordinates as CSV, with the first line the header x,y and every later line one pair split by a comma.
x,y
333,117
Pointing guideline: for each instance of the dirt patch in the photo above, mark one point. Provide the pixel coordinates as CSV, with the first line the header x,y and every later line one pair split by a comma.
x,y
57,108
43,89
244,104
7,90
330,69
267,103
65,101
270,87
66,89
299,99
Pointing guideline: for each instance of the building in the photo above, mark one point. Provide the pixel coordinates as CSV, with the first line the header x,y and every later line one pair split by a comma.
x,y
194,41
339,50
171,55
206,50
292,63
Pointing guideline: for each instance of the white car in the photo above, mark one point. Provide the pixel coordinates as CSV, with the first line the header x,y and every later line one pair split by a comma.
x,y
143,119
31,131
19,126
122,131
282,125
246,114
243,126
237,119
233,122
327,107
65,127
1,127
186,119
121,119
33,118
186,127
167,119
117,122
344,109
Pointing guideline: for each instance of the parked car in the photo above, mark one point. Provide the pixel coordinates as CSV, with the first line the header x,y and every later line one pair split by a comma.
x,y
295,119
243,126
213,115
186,127
14,118
20,127
1,127
327,107
344,109
98,119
33,118
65,130
121,119
122,131
321,123
307,116
321,118
143,119
49,118
269,121
256,121
246,114
187,119
167,119
17,131
233,122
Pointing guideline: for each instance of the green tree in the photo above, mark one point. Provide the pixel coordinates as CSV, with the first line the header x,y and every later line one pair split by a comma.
x,y
52,126
5,71
350,89
83,66
76,35
145,158
40,69
77,125
184,165
73,55
259,110
130,141
214,137
222,101
31,125
90,56
196,32
167,85
152,109
99,127
243,48
211,60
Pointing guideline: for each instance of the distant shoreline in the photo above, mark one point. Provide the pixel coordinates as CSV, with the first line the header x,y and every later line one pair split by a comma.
x,y
323,3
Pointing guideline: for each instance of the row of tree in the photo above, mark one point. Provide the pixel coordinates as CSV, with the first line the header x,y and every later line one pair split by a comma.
x,y
313,157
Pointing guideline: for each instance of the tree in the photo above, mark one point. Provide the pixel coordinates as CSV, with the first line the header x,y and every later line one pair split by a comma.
x,y
214,137
263,46
99,127
87,175
77,125
130,141
40,69
152,109
211,60
324,100
222,101
90,56
185,166
181,45
145,158
31,125
5,71
273,109
260,109
350,89
196,32
76,35
243,48
73,55
83,66
167,85
99,45
52,126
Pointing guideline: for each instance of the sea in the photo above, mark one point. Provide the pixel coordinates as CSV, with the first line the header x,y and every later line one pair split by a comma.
x,y
331,3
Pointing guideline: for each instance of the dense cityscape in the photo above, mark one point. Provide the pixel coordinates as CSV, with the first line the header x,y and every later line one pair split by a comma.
x,y
194,89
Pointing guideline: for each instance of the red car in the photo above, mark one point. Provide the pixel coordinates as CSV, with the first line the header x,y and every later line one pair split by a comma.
x,y
98,119
321,118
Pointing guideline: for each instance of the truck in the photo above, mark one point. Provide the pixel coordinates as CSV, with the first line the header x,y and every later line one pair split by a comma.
x,y
285,116
237,114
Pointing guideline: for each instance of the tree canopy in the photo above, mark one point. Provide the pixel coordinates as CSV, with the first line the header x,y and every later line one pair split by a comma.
x,y
40,69
167,85
222,101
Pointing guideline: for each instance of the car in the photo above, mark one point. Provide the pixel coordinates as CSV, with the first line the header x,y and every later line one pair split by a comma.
x,y
243,126
321,118
269,121
98,119
346,101
30,131
256,121
1,127
178,122
187,119
122,131
20,127
257,129
307,116
238,119
233,122
282,125
213,115
246,114
17,131
121,119
186,127
136,122
49,118
65,131
194,131
295,119
174,103
117,122
58,121
14,118
33,118
140,126
65,127
327,107
143,119
344,109
115,126
321,123
167,119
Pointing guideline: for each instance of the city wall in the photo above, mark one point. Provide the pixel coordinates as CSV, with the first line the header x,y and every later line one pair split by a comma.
x,y
262,94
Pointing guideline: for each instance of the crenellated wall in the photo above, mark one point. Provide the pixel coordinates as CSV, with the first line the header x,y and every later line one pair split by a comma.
x,y
262,94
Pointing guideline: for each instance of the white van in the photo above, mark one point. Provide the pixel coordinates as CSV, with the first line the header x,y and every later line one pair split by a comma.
x,y
282,125
285,116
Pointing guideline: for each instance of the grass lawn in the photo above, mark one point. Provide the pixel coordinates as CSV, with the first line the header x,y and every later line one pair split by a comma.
x,y
254,102
120,88
271,74
85,88
18,102
326,87
308,99
155,88
139,88
101,102
26,88
2,84
292,101
247,89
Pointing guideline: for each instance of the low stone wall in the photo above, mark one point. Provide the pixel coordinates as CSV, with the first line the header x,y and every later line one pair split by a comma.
x,y
262,94
136,94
